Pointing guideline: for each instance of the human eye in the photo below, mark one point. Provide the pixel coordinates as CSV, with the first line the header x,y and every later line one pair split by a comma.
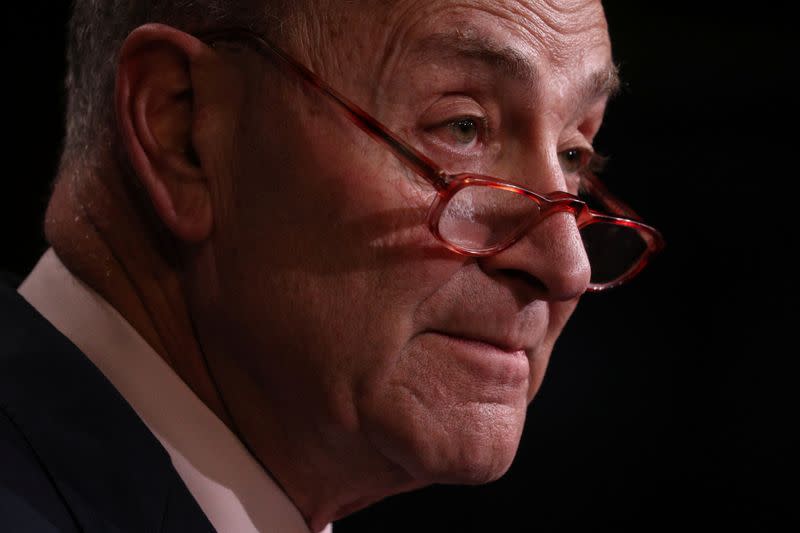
x,y
464,131
456,127
580,160
576,162
461,134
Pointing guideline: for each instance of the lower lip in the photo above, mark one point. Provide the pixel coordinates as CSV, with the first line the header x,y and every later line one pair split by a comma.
x,y
487,360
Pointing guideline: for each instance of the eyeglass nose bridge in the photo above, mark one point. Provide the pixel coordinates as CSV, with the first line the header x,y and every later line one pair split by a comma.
x,y
560,202
551,204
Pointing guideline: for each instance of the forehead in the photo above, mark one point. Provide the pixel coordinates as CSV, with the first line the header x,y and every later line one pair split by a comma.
x,y
555,30
523,39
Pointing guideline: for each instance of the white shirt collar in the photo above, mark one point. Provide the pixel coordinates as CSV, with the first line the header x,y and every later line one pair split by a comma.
x,y
231,487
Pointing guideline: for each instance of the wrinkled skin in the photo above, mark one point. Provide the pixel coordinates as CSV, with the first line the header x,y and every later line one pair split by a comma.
x,y
356,356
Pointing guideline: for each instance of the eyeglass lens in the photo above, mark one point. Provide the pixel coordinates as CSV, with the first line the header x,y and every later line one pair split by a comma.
x,y
480,218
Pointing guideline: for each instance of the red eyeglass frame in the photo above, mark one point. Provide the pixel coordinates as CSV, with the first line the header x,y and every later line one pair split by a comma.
x,y
447,185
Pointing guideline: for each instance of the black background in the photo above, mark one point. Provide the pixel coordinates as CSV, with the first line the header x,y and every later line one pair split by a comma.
x,y
670,402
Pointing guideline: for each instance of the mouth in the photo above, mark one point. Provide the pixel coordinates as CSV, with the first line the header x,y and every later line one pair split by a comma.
x,y
490,360
500,348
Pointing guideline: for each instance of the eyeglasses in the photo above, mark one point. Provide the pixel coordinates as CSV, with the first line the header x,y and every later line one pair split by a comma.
x,y
479,216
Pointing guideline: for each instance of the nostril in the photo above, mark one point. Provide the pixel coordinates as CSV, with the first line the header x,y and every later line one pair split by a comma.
x,y
523,285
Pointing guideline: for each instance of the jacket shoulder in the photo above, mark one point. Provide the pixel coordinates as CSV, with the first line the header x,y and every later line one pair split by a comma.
x,y
71,447
29,501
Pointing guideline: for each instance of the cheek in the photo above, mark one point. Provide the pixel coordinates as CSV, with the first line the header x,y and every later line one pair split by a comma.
x,y
326,265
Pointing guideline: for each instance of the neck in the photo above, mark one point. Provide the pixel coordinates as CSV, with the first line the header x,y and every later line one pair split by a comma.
x,y
109,245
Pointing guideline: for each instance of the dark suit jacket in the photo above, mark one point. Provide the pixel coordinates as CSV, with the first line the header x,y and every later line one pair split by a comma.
x,y
74,456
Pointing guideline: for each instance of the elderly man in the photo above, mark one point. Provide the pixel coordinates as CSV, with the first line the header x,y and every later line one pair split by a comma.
x,y
305,255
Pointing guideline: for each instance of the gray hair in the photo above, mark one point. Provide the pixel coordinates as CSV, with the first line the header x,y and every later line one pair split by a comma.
x,y
97,30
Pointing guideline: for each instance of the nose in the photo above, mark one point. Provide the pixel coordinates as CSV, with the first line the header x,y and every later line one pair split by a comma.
x,y
549,263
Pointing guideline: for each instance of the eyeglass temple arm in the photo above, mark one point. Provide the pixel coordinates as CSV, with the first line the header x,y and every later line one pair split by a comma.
x,y
595,187
655,241
415,160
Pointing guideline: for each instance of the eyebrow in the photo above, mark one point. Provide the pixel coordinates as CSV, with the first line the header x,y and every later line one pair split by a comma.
x,y
602,82
469,43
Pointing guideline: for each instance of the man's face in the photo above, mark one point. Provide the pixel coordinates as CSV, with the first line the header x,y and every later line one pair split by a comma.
x,y
333,313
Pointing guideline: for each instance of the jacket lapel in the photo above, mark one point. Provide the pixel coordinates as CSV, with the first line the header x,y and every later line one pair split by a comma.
x,y
109,469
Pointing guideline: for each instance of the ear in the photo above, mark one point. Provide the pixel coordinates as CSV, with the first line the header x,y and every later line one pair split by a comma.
x,y
155,107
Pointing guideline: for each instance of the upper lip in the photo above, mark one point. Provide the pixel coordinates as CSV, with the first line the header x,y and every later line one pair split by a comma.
x,y
503,343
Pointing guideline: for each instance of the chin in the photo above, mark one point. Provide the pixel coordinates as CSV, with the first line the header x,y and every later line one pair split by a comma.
x,y
476,459
472,445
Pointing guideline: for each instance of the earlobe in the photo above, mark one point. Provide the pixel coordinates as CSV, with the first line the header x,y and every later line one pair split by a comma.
x,y
155,114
